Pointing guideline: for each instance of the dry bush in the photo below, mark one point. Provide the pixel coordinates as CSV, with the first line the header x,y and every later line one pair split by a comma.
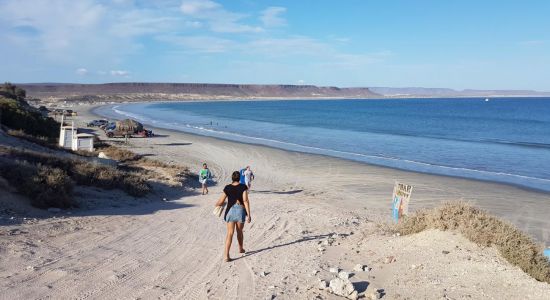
x,y
119,154
135,185
50,143
84,153
141,164
83,172
484,229
45,186
146,162
56,188
110,178
169,169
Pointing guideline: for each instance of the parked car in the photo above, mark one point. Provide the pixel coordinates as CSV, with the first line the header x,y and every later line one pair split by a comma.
x,y
146,133
69,113
97,123
57,111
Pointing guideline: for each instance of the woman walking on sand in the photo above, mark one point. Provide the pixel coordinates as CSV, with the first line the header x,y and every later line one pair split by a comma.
x,y
238,209
204,176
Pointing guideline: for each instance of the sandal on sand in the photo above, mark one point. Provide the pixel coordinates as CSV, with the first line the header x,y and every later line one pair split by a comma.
x,y
227,259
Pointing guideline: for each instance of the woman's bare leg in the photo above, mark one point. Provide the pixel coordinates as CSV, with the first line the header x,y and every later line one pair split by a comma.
x,y
240,236
228,239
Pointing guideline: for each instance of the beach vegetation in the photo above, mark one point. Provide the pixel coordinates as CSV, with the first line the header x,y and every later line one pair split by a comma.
x,y
134,160
43,185
42,176
484,229
13,92
48,142
17,114
117,153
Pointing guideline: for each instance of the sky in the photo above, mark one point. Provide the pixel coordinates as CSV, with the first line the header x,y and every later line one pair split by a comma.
x,y
349,43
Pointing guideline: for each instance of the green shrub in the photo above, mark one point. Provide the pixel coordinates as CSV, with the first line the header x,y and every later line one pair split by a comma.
x,y
16,116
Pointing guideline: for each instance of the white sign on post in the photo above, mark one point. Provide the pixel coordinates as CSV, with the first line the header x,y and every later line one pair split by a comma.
x,y
401,196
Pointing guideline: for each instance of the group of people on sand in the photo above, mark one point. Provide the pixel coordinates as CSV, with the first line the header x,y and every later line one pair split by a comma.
x,y
246,176
237,210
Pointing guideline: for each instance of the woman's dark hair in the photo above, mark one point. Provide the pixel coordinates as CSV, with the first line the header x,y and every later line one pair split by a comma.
x,y
236,176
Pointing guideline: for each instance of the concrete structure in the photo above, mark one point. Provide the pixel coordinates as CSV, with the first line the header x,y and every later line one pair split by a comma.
x,y
83,141
66,136
69,138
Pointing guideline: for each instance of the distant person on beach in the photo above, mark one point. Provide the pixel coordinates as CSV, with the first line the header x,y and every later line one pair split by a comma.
x,y
236,212
204,176
248,177
241,178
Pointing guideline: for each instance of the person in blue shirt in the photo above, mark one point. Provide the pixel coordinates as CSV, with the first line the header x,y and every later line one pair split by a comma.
x,y
242,179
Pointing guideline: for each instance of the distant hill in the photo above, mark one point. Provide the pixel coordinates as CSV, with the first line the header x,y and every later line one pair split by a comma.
x,y
138,91
143,91
444,92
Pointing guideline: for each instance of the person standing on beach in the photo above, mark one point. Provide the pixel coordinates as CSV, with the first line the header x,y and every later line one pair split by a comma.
x,y
241,179
248,177
236,212
204,176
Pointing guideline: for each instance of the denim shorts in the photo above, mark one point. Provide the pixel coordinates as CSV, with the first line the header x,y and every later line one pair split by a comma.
x,y
236,213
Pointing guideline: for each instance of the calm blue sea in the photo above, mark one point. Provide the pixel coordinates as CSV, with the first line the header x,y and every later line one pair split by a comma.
x,y
503,140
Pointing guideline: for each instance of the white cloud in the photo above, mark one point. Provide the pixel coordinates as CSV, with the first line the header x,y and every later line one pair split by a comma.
x,y
59,23
68,33
193,7
120,73
295,45
271,17
141,22
123,2
65,33
81,71
217,17
339,39
99,34
193,24
318,52
201,44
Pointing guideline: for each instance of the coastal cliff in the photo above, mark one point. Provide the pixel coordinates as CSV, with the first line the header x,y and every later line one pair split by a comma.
x,y
175,91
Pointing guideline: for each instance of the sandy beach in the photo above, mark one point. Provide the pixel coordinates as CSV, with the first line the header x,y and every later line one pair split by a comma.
x,y
342,183
310,214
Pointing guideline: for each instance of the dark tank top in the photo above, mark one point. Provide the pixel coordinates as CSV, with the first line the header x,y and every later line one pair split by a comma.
x,y
234,195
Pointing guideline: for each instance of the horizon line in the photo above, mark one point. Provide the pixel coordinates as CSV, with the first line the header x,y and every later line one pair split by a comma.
x,y
279,84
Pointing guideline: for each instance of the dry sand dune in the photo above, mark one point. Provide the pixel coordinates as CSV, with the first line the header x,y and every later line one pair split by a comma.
x,y
173,249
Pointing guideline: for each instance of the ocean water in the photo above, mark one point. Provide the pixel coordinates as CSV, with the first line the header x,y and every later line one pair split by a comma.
x,y
504,140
